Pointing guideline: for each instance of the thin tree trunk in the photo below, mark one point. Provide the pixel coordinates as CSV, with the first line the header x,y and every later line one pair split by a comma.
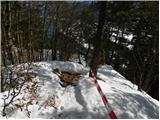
x,y
8,31
44,31
56,34
87,53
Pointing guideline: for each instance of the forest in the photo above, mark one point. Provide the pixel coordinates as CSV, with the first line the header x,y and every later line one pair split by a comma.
x,y
123,34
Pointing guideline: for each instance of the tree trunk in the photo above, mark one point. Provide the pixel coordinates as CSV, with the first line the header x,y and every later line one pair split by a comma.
x,y
44,31
56,34
98,37
8,31
88,50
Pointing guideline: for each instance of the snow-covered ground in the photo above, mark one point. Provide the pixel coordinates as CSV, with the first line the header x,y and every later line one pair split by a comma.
x,y
82,100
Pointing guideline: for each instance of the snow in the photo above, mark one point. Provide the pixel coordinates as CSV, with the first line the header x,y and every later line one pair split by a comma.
x,y
82,100
129,37
130,47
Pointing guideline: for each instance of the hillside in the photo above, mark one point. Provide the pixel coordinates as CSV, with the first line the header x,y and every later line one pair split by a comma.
x,y
46,96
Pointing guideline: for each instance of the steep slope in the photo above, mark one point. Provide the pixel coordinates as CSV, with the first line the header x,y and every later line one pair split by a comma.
x,y
51,100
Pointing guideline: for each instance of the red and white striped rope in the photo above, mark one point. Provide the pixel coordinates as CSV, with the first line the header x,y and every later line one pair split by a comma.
x,y
111,113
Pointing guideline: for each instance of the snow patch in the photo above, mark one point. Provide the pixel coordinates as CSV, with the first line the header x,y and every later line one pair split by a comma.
x,y
83,100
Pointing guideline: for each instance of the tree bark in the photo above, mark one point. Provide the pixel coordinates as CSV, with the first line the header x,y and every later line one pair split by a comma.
x,y
44,30
88,50
8,31
98,38
56,35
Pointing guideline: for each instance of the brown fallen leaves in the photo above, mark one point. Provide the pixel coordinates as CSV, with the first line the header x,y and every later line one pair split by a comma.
x,y
51,102
69,78
31,88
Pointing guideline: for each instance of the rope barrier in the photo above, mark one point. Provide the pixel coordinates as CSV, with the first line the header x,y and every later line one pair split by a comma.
x,y
111,113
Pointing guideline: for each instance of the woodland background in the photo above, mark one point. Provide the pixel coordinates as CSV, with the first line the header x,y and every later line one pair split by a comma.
x,y
40,31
